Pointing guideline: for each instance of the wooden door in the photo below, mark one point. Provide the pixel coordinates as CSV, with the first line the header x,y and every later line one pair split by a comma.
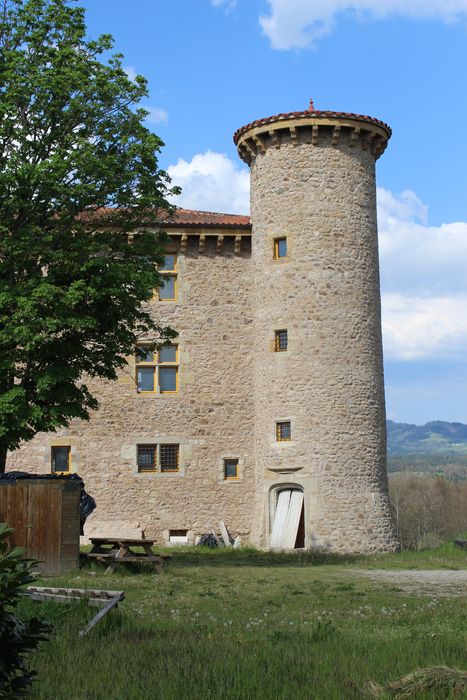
x,y
289,513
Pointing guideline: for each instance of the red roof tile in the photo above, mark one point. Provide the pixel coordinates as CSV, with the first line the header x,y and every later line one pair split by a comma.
x,y
179,217
190,217
311,114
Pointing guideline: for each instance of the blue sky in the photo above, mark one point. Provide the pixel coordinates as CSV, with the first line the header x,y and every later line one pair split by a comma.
x,y
215,65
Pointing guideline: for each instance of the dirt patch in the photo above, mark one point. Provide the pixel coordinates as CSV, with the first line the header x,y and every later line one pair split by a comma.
x,y
438,582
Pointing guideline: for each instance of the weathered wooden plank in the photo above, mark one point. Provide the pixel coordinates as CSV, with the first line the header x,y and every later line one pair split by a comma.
x,y
82,592
293,519
120,540
225,534
280,519
103,611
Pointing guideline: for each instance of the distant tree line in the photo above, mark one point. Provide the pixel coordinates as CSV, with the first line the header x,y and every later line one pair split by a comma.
x,y
452,466
428,510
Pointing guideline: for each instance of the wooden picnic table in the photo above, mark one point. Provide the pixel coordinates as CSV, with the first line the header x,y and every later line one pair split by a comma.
x,y
118,550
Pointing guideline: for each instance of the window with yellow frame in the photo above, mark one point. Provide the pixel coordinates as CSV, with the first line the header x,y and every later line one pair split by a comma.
x,y
168,270
283,431
280,248
157,370
61,459
231,470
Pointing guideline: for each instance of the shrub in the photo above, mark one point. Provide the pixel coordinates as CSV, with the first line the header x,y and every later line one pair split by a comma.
x,y
17,637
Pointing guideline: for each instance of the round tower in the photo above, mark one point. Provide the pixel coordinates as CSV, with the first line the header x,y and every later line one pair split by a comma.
x,y
320,434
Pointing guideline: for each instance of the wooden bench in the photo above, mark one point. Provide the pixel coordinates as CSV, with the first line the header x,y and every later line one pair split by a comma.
x,y
121,551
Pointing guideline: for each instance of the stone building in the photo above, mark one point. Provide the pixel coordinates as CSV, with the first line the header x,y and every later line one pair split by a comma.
x,y
268,410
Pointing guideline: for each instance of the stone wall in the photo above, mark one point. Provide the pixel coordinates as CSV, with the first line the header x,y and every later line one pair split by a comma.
x,y
329,384
211,417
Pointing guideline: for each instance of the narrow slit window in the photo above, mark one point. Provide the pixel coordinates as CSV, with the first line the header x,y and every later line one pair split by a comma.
x,y
281,341
231,469
283,431
168,270
280,248
61,460
169,458
147,458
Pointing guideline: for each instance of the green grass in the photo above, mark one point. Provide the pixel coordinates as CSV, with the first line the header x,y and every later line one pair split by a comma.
x,y
244,625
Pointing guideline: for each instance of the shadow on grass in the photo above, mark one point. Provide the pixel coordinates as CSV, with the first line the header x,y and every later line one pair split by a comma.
x,y
445,556
203,556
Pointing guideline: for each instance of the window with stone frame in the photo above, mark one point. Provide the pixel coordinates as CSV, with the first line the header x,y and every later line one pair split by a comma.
x,y
158,458
168,270
60,459
281,341
280,248
283,431
157,370
231,472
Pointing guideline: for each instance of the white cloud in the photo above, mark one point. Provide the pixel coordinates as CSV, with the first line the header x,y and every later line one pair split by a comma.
x,y
212,182
423,327
299,23
228,5
156,115
131,72
418,259
424,299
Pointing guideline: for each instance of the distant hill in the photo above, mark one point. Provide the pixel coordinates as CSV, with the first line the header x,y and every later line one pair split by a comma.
x,y
435,437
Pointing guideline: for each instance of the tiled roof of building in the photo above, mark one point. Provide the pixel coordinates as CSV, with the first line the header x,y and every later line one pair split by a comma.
x,y
311,114
178,217
191,217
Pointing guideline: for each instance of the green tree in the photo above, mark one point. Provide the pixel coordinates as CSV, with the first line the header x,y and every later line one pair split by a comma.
x,y
78,173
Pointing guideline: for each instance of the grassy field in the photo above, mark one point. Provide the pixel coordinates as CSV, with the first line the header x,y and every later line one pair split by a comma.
x,y
244,625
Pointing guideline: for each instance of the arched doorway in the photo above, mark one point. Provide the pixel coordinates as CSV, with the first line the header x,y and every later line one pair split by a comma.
x,y
288,527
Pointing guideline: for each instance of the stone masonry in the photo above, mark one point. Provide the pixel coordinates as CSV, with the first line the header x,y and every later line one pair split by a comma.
x,y
312,183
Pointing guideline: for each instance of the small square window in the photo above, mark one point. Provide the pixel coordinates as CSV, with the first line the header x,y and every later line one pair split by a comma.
x,y
280,341
230,469
169,458
147,458
283,431
61,460
280,248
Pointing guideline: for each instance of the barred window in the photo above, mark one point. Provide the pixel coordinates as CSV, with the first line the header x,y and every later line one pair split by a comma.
x,y
283,431
280,341
157,458
169,458
147,458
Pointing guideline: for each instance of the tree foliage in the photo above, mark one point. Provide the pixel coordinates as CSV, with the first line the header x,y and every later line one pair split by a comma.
x,y
17,637
78,172
428,510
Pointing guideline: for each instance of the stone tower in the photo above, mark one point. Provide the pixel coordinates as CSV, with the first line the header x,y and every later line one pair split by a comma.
x,y
320,435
